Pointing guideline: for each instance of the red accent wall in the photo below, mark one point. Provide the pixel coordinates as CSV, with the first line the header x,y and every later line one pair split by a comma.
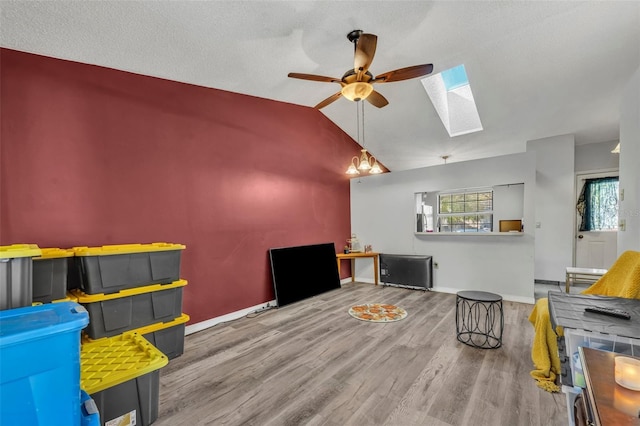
x,y
93,156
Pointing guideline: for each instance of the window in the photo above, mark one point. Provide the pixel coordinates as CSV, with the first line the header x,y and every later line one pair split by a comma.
x,y
468,211
451,96
598,204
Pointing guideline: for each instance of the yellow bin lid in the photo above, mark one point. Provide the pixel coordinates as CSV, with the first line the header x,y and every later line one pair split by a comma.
x,y
53,253
109,362
83,297
162,325
66,299
126,249
146,329
19,250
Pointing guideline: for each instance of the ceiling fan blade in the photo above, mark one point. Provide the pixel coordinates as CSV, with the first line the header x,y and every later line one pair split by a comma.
x,y
404,73
377,100
314,77
329,100
365,50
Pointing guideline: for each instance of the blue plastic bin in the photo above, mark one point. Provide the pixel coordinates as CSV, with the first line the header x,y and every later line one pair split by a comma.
x,y
40,365
90,414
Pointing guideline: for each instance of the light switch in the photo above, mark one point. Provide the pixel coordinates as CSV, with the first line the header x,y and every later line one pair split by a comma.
x,y
622,224
538,225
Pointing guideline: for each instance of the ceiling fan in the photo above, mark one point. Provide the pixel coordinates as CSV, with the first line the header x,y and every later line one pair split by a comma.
x,y
357,83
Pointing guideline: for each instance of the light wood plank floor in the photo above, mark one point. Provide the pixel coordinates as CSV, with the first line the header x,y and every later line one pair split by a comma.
x,y
311,363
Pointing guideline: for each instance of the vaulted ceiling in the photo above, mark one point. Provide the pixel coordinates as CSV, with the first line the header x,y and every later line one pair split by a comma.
x,y
536,69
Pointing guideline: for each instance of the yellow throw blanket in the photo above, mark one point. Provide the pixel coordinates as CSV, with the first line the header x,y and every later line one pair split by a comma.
x,y
622,280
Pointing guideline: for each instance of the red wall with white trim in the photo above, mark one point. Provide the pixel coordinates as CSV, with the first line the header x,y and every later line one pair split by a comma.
x,y
91,156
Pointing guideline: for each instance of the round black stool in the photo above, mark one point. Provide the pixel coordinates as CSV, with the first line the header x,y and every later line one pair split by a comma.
x,y
479,319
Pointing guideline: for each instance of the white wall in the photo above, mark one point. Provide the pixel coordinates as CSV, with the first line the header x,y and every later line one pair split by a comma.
x,y
596,156
382,214
508,203
629,162
554,205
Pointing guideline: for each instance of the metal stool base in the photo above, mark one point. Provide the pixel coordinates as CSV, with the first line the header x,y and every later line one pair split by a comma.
x,y
479,319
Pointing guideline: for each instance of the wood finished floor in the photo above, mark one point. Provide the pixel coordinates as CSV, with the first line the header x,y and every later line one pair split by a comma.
x,y
311,363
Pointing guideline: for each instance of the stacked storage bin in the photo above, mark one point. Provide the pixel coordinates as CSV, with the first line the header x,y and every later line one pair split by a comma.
x,y
122,375
16,272
132,288
132,292
40,367
50,271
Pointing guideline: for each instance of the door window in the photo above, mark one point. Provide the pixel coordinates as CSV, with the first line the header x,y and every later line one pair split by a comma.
x,y
598,204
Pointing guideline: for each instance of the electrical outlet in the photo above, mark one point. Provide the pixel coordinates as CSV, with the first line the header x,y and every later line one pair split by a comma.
x,y
435,265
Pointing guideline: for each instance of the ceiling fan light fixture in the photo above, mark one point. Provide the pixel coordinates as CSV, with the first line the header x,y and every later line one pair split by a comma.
x,y
357,91
353,170
375,169
364,161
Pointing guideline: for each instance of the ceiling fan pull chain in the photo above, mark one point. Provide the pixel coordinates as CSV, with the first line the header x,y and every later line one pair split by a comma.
x,y
362,102
358,122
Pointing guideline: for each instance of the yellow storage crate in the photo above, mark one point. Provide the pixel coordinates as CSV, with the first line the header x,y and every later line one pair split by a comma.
x,y
112,268
168,337
16,275
122,375
115,249
127,310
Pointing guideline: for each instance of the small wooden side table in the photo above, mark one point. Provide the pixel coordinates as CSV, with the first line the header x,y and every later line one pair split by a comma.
x,y
607,402
353,257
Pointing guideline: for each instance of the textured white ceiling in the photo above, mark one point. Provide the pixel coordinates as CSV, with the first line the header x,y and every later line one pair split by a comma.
x,y
537,69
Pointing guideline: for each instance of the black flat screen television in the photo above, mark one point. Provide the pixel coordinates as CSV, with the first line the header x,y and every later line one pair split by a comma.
x,y
304,271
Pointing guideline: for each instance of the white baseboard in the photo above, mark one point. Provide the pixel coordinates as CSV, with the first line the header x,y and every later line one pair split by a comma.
x,y
508,297
360,280
447,289
520,299
199,326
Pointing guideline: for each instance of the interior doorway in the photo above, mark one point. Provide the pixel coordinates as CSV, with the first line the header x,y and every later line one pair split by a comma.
x,y
595,246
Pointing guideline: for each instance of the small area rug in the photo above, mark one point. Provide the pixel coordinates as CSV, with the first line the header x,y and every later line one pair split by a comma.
x,y
377,312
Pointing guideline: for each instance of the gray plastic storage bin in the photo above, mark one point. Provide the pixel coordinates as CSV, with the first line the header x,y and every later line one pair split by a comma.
x,y
139,396
109,269
50,275
170,341
168,337
16,275
112,314
122,375
591,330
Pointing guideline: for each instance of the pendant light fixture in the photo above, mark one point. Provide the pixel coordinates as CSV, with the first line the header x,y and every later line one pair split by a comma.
x,y
616,150
365,162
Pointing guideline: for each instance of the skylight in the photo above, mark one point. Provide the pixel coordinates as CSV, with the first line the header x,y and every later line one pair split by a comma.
x,y
451,96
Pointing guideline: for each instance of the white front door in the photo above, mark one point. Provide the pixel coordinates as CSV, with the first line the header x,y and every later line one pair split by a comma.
x,y
594,249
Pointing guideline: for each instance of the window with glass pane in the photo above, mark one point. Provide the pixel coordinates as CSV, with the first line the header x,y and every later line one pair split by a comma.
x,y
598,204
470,211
